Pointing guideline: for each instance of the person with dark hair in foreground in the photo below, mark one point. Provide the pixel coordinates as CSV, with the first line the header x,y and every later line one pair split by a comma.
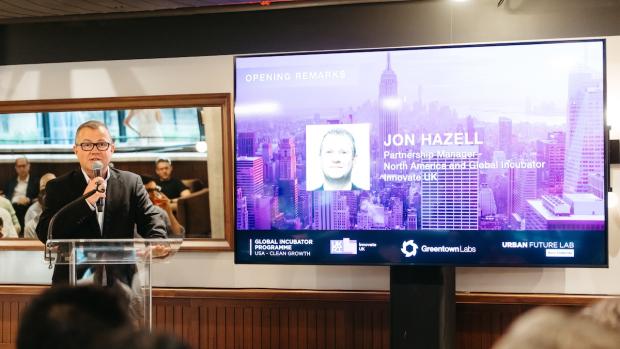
x,y
84,317
73,318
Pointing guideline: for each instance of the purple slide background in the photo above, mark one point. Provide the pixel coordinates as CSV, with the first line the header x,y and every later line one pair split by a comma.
x,y
536,112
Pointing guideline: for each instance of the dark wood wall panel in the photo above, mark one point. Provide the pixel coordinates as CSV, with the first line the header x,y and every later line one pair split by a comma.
x,y
224,322
294,319
182,169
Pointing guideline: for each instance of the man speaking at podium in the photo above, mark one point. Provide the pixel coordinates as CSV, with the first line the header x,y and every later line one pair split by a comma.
x,y
120,203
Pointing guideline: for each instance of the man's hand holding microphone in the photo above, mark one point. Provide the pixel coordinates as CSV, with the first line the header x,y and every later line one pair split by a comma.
x,y
98,183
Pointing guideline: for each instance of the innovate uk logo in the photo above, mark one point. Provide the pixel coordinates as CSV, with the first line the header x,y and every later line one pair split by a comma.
x,y
344,246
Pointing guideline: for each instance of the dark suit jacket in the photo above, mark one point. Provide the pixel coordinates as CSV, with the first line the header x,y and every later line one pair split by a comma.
x,y
126,204
32,190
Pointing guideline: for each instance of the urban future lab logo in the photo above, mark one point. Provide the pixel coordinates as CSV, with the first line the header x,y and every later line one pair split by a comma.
x,y
409,249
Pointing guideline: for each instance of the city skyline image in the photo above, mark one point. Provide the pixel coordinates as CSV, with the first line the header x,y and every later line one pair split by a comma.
x,y
497,137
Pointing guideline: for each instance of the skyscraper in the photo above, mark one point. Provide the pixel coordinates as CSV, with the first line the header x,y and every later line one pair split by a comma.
x,y
287,162
288,188
486,201
267,155
524,188
263,212
340,214
412,219
388,109
242,210
246,144
584,136
322,202
551,151
250,180
396,213
288,195
470,125
505,136
449,201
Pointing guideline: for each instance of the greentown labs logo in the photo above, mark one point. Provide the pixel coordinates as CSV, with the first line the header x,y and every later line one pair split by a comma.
x,y
409,248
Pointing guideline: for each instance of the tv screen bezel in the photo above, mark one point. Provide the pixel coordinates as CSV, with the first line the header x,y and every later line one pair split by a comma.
x,y
606,170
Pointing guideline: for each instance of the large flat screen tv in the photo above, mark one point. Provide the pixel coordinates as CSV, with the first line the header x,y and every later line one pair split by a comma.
x,y
490,155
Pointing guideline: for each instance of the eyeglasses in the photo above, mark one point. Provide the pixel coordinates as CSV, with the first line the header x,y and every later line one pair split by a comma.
x,y
101,146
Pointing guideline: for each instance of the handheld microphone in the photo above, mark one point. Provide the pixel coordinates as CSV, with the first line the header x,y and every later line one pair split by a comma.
x,y
48,245
97,166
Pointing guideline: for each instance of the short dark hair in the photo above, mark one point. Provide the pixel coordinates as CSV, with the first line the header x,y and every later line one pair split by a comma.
x,y
147,179
93,125
339,132
66,317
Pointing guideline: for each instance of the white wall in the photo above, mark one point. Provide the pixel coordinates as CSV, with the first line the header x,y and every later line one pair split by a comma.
x,y
214,75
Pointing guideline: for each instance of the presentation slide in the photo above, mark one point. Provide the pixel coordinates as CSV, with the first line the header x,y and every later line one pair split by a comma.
x,y
465,155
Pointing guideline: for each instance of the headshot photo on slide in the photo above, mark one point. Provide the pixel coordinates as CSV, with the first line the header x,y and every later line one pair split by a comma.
x,y
338,157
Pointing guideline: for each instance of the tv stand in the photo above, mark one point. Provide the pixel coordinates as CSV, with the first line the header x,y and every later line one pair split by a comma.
x,y
422,307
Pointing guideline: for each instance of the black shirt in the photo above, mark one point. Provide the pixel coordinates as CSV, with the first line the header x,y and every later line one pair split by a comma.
x,y
172,187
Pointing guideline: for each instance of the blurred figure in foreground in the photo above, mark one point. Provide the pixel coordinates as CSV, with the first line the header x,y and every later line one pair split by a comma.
x,y
72,318
605,312
555,328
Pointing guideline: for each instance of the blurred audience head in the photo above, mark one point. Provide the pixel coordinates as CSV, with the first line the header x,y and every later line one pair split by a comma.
x,y
72,318
605,312
152,189
44,179
22,167
163,168
554,328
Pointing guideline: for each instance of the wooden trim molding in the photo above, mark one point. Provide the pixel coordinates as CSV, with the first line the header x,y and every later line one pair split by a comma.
x,y
110,103
530,299
335,295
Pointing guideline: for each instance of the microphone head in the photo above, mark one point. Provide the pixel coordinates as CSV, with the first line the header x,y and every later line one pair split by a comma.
x,y
97,165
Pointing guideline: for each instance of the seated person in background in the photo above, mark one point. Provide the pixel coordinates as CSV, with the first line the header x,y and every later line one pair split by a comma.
x,y
6,205
22,189
172,187
163,205
9,230
34,211
73,318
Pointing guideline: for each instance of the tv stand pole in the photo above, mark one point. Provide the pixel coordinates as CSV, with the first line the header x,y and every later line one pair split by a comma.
x,y
422,307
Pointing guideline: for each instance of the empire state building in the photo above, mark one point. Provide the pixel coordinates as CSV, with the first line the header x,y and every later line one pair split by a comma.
x,y
388,108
